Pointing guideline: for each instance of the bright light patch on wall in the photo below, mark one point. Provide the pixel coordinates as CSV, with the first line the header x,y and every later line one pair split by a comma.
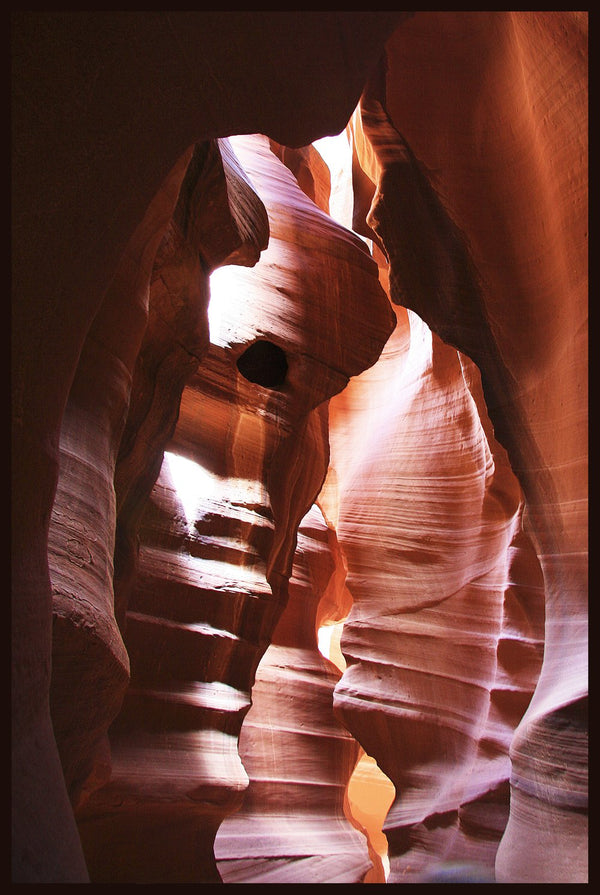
x,y
337,153
328,641
224,287
324,640
197,487
370,795
192,482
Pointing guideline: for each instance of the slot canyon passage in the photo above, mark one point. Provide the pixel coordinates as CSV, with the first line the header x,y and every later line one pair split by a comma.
x,y
239,419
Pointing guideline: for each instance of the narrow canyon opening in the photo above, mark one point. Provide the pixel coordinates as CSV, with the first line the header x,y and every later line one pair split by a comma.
x,y
369,793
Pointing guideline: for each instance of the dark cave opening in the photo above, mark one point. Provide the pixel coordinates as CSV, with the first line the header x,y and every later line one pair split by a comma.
x,y
264,363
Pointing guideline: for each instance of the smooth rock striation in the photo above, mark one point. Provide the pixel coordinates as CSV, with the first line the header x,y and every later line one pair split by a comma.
x,y
212,576
505,281
292,827
116,422
433,677
103,107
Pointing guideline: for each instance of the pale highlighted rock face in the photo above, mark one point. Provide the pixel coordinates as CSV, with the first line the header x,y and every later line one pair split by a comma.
x,y
439,665
212,572
292,827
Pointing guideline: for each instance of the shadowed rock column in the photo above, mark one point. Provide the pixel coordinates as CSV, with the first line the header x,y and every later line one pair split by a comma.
x,y
90,667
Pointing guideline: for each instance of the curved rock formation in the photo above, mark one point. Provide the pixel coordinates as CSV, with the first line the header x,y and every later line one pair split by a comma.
x,y
108,464
426,687
104,105
457,484
219,220
211,585
292,827
505,282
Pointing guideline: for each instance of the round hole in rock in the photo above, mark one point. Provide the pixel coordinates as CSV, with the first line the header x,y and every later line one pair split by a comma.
x,y
264,363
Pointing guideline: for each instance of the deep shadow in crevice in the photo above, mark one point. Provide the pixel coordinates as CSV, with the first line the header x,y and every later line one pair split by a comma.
x,y
264,363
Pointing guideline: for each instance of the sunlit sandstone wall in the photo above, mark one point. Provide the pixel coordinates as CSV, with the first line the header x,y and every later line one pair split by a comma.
x,y
502,278
105,108
444,642
212,578
97,131
121,411
219,220
212,224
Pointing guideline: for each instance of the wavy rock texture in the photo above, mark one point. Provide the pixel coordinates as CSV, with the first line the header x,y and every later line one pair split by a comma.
x,y
457,486
427,512
166,327
505,281
176,771
218,220
212,578
292,827
90,667
104,106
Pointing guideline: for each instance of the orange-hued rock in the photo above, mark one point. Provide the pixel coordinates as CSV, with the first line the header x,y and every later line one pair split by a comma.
x,y
201,356
504,280
426,511
212,577
292,827
146,341
103,107
218,220
310,171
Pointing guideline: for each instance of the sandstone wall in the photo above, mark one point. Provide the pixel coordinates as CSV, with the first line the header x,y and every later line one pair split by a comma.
x,y
212,579
445,441
504,279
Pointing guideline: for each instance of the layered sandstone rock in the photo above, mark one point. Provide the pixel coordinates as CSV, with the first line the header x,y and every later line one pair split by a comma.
x,y
104,106
90,667
437,674
219,220
143,346
457,483
292,827
212,578
453,259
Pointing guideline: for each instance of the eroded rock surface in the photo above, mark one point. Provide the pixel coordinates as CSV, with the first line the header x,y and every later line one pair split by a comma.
x,y
452,260
292,827
455,467
104,106
433,676
149,337
212,578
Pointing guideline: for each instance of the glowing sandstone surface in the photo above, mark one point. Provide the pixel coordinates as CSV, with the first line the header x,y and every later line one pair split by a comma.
x,y
212,581
236,423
